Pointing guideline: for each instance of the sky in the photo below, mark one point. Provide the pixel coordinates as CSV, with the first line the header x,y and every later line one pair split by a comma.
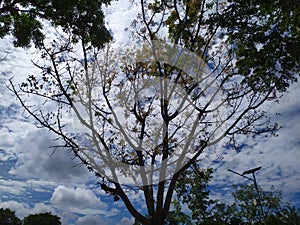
x,y
35,179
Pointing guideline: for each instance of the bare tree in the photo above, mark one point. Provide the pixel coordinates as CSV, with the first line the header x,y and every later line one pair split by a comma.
x,y
140,116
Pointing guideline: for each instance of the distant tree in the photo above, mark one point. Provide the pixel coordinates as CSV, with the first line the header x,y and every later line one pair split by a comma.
x,y
248,201
146,115
245,209
289,216
84,20
274,210
192,191
8,217
42,219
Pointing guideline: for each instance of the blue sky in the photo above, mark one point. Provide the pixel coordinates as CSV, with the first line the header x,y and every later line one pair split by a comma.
x,y
34,180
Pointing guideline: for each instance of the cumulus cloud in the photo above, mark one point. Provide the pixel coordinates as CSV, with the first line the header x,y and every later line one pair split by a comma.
x,y
13,127
13,187
278,156
78,200
6,156
126,221
117,26
37,161
42,208
91,219
21,209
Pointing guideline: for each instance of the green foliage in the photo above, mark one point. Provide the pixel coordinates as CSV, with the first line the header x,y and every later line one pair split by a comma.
x,y
42,219
226,36
176,216
289,216
265,40
192,191
82,19
256,207
8,217
186,30
262,36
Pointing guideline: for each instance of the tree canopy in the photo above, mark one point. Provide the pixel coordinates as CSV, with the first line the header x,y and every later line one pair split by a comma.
x,y
141,117
262,36
24,20
265,38
8,217
193,204
42,219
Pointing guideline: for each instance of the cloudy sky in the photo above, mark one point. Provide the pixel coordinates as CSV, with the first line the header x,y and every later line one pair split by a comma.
x,y
35,179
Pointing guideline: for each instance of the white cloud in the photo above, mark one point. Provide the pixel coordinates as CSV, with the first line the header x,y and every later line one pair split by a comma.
x,y
90,219
37,161
278,156
7,156
113,13
78,200
13,187
126,221
42,208
68,218
20,209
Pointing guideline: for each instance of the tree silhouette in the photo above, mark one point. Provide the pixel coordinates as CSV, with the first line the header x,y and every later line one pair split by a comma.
x,y
140,117
8,217
42,219
84,20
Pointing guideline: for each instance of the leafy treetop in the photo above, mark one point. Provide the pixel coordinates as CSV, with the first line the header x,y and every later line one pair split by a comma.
x,y
8,217
84,20
172,115
192,190
42,219
265,39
